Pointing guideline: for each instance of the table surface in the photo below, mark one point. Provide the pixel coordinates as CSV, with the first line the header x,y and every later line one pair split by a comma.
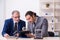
x,y
45,38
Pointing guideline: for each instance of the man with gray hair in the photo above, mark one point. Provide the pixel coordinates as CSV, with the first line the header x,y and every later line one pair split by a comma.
x,y
13,25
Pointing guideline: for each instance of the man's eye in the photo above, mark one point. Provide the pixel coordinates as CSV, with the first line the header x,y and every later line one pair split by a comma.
x,y
16,17
28,18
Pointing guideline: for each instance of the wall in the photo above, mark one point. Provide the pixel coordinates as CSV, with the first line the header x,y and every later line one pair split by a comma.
x,y
2,12
22,6
7,6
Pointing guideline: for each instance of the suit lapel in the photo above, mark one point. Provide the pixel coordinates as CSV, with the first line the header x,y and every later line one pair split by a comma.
x,y
12,24
39,22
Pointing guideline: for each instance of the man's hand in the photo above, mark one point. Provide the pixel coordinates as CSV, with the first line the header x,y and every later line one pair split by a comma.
x,y
17,34
6,35
30,35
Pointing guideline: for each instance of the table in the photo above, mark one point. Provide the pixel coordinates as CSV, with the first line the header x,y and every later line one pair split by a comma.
x,y
45,38
51,38
15,38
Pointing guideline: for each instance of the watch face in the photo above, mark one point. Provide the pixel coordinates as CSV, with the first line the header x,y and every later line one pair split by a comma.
x,y
24,28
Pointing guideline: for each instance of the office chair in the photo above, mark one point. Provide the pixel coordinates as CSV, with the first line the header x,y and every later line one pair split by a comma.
x,y
51,34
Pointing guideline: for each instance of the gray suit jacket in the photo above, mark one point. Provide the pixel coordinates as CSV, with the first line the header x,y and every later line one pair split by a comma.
x,y
41,24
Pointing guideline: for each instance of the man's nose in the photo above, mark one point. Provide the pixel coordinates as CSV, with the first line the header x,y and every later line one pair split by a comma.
x,y
30,21
17,18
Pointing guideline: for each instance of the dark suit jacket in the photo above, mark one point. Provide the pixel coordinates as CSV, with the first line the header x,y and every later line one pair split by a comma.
x,y
9,25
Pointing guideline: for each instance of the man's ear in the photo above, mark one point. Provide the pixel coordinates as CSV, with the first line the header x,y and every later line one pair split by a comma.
x,y
33,16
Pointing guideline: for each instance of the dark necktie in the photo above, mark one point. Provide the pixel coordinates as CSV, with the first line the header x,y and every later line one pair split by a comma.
x,y
15,27
34,27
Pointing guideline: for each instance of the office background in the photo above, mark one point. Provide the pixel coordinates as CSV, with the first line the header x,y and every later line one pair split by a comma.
x,y
7,6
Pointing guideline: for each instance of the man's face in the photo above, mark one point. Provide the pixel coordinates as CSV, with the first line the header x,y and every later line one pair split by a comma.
x,y
29,18
16,16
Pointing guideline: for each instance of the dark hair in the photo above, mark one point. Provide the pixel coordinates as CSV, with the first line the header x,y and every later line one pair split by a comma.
x,y
15,11
30,13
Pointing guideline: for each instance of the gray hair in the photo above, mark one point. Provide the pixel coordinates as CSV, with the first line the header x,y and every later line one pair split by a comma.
x,y
15,11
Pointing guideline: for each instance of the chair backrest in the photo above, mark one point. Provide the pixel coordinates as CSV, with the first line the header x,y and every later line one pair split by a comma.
x,y
51,34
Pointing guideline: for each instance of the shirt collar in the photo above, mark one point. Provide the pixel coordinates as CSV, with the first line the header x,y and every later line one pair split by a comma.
x,y
36,19
15,22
